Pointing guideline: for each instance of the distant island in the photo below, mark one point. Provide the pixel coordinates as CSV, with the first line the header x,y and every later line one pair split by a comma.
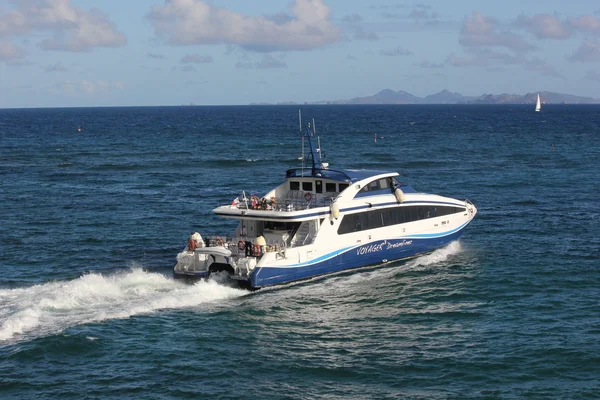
x,y
388,96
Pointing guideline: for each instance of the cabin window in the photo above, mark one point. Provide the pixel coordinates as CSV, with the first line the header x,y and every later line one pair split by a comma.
x,y
307,186
294,185
392,216
280,226
343,186
330,187
318,186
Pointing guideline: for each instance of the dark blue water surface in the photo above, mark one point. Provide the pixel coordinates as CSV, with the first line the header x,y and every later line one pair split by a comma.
x,y
91,223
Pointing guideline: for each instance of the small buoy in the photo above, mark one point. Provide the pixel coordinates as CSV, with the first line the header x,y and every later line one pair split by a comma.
x,y
78,129
399,195
335,210
260,240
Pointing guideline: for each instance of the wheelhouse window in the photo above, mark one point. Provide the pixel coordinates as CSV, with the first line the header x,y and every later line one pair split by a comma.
x,y
318,186
383,183
330,187
294,185
343,186
307,186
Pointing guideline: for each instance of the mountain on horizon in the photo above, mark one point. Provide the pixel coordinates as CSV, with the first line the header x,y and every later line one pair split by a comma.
x,y
446,97
388,96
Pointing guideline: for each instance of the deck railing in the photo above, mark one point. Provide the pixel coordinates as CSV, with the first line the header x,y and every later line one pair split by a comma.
x,y
294,200
237,245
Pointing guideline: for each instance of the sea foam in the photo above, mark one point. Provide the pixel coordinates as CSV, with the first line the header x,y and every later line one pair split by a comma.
x,y
52,307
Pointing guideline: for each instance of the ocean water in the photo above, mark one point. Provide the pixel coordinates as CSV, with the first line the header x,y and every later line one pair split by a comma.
x,y
91,223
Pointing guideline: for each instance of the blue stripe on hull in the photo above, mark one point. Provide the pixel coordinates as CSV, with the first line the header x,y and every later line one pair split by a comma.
x,y
369,254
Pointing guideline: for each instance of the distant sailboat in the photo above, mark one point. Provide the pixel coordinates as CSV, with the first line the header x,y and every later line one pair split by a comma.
x,y
538,104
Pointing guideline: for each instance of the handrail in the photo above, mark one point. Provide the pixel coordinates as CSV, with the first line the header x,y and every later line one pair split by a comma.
x,y
323,171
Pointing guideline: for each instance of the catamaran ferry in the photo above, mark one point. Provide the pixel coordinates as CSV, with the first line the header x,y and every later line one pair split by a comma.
x,y
322,220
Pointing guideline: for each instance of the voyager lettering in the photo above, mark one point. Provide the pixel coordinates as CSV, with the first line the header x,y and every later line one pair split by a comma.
x,y
373,248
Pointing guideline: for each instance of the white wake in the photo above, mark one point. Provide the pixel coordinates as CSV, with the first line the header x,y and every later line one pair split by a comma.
x,y
52,307
437,256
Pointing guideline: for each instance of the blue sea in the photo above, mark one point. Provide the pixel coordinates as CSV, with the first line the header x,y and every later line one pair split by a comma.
x,y
91,222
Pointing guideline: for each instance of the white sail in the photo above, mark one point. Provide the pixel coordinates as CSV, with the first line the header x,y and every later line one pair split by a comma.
x,y
538,104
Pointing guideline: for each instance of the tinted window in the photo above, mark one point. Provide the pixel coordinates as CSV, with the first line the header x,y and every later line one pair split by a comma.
x,y
294,185
307,186
330,187
392,216
343,186
280,226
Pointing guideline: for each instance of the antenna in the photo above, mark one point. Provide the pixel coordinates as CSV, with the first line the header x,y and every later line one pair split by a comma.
x,y
300,126
318,139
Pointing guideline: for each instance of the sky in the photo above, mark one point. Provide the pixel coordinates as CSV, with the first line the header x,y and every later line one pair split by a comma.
x,y
81,53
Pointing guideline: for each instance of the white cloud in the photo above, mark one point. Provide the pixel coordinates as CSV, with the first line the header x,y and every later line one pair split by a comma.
x,y
71,28
544,26
589,51
9,52
189,22
586,23
481,31
541,66
354,25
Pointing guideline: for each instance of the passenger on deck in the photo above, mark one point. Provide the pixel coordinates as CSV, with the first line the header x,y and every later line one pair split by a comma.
x,y
191,243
